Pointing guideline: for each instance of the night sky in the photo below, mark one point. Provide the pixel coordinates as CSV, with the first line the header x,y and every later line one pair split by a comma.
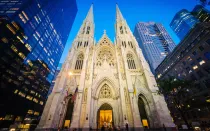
x,y
133,11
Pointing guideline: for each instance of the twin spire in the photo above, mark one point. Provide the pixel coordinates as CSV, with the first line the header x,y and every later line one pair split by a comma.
x,y
89,17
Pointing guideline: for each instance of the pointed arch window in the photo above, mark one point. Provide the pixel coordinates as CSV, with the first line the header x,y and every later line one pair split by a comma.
x,y
125,44
130,44
79,62
121,29
79,44
88,30
130,61
86,44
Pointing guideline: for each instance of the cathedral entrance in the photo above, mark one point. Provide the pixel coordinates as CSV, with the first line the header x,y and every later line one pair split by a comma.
x,y
143,114
69,112
105,116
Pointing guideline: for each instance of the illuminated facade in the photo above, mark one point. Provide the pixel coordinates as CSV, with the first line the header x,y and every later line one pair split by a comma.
x,y
190,60
35,33
113,81
154,41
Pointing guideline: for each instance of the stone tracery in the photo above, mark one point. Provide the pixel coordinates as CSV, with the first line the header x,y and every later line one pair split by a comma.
x,y
105,92
105,55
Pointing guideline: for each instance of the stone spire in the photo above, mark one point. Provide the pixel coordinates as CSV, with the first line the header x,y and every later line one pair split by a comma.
x,y
87,27
89,17
119,15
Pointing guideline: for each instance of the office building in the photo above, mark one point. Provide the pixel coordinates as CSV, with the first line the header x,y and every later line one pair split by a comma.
x,y
201,13
36,33
190,61
182,23
154,41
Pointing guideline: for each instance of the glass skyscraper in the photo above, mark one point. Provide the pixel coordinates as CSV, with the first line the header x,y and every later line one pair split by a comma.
x,y
33,34
154,41
182,23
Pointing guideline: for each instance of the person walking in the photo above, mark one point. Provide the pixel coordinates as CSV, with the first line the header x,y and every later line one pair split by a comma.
x,y
126,126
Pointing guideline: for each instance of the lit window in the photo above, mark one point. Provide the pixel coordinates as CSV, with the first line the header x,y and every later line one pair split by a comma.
x,y
32,92
20,39
195,67
21,17
22,94
22,55
16,91
35,100
15,25
30,112
29,62
36,113
41,102
28,47
29,97
202,62
4,40
11,29
14,48
25,15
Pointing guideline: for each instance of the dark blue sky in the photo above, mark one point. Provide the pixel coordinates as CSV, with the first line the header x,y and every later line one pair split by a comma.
x,y
133,11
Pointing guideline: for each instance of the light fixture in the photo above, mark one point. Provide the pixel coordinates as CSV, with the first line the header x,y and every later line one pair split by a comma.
x,y
70,73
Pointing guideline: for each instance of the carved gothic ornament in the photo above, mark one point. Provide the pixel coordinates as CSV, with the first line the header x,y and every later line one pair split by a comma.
x,y
94,76
105,55
105,92
116,75
123,76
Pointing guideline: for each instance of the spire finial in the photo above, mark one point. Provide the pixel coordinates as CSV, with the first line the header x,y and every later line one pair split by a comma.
x,y
118,13
104,31
89,16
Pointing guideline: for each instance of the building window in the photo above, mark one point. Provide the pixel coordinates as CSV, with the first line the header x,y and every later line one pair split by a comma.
x,y
121,29
130,61
35,100
194,53
201,48
201,62
30,112
22,94
79,62
29,97
207,55
11,29
88,30
208,41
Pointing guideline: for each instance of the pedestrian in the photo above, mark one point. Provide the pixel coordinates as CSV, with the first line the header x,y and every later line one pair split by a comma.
x,y
103,128
126,126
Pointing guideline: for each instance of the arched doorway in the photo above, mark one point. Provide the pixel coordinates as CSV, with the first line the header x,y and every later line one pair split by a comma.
x,y
143,113
69,112
105,116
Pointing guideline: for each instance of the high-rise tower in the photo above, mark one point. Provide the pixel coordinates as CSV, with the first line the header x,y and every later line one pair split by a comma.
x,y
154,41
33,35
112,82
182,23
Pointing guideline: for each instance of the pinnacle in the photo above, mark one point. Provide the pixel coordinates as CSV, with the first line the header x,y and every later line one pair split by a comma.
x,y
89,16
118,13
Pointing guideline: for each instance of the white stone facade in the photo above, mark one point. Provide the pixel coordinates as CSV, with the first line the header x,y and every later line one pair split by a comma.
x,y
104,72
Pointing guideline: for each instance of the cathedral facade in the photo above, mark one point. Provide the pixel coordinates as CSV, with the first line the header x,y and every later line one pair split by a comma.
x,y
113,83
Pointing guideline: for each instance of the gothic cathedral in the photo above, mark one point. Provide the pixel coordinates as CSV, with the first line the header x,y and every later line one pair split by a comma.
x,y
113,83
